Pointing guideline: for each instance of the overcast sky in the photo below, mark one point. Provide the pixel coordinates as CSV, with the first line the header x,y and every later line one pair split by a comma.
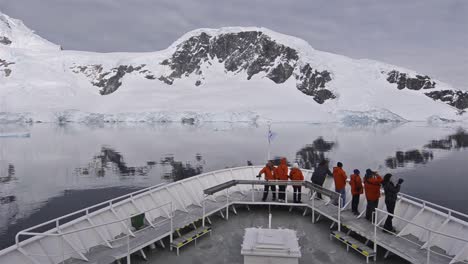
x,y
430,36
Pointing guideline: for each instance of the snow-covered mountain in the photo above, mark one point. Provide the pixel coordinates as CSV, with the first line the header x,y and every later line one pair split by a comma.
x,y
227,74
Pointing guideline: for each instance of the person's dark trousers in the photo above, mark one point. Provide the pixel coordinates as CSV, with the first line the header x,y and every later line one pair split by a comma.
x,y
355,203
297,191
265,192
371,205
282,192
390,209
319,195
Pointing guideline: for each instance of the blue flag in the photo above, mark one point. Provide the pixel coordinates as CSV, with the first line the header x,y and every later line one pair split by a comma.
x,y
271,135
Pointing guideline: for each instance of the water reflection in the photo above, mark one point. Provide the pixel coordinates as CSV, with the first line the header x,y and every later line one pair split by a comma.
x,y
458,140
7,199
109,159
10,173
10,176
311,154
401,158
455,141
180,170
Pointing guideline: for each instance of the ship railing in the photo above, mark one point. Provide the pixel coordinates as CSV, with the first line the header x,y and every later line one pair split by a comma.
x,y
461,256
59,222
62,242
435,208
254,196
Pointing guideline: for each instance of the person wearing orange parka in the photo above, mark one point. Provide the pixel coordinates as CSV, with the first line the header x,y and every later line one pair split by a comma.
x,y
281,174
339,175
296,175
372,184
356,190
268,170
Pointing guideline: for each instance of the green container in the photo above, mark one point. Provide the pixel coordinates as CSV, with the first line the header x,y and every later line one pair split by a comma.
x,y
138,221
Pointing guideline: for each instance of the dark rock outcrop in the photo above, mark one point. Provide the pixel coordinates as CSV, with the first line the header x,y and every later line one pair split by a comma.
x,y
455,98
403,80
4,63
4,66
109,81
252,52
458,99
166,80
311,83
5,40
111,84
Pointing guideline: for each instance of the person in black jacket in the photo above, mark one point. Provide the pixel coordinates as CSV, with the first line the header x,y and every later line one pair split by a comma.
x,y
319,175
391,195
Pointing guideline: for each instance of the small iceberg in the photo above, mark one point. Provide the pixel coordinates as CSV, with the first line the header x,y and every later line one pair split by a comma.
x,y
15,135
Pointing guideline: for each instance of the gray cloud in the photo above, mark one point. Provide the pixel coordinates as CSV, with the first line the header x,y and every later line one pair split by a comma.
x,y
429,36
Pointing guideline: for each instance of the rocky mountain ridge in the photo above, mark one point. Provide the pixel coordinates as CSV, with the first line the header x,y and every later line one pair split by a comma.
x,y
198,76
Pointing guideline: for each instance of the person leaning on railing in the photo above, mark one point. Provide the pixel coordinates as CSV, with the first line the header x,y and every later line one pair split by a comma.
x,y
281,174
391,195
320,174
296,175
268,170
372,183
339,175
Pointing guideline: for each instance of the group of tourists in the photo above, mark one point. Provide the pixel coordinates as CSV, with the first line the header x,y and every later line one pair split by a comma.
x,y
280,173
371,185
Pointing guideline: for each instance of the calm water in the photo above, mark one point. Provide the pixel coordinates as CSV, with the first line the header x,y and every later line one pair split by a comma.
x,y
60,169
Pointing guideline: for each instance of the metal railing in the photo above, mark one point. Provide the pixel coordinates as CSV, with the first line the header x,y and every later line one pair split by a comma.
x,y
426,245
78,251
311,191
435,208
88,211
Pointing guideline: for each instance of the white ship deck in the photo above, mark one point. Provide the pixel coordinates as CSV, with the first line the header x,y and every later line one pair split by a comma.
x,y
103,234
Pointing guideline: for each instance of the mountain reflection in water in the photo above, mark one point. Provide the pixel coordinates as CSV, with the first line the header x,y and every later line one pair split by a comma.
x,y
310,155
180,170
109,159
456,141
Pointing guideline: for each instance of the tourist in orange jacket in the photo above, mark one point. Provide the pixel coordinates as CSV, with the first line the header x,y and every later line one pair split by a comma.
x,y
372,183
268,170
356,190
296,175
281,174
339,175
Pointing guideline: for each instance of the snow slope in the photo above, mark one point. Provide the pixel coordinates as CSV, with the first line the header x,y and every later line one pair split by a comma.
x,y
14,33
41,83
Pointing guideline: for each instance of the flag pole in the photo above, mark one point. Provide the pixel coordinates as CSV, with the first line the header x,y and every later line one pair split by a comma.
x,y
269,140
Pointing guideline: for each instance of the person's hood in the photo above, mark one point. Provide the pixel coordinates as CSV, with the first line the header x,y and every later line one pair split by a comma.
x,y
283,161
